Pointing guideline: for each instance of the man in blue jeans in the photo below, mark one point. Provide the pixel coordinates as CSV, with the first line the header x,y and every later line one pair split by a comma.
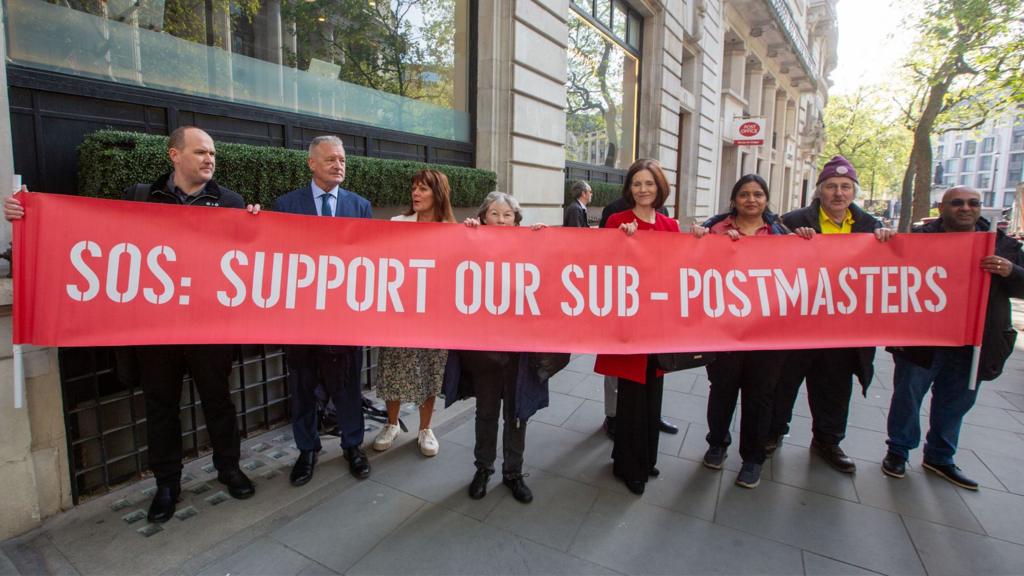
x,y
947,370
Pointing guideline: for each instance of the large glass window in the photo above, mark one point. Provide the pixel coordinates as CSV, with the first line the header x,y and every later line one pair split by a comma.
x,y
985,163
604,65
1014,170
396,64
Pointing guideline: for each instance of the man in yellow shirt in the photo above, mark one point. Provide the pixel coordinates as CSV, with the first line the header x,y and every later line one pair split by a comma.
x,y
829,372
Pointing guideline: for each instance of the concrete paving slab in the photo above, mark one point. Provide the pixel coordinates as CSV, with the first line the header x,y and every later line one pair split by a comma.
x,y
263,557
918,495
973,466
343,529
590,387
836,528
565,381
682,381
685,407
441,479
626,534
1001,514
948,551
474,548
587,418
564,452
800,469
989,417
552,519
816,565
560,408
1008,469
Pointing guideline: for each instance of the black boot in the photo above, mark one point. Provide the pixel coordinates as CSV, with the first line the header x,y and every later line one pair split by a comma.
x,y
478,487
520,491
164,502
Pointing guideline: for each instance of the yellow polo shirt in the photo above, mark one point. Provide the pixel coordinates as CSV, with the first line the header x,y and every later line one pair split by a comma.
x,y
829,227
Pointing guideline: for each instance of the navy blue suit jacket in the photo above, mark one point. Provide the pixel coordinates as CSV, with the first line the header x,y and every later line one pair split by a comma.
x,y
350,204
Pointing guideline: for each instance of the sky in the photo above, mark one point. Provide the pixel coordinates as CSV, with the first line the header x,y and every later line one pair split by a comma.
x,y
871,43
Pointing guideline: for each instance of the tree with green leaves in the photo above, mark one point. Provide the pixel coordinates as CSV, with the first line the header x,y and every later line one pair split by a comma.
x,y
967,64
864,128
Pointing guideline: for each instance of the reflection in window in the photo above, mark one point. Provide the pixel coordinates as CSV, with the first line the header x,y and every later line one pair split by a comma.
x,y
396,64
601,94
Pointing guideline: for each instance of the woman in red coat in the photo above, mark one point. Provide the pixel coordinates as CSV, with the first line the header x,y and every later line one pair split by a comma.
x,y
638,409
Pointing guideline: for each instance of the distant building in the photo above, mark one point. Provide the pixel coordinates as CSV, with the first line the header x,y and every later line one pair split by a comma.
x,y
989,159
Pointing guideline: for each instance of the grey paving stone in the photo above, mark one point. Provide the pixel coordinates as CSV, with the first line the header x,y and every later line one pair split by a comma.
x,y
264,556
989,417
815,565
564,452
991,440
630,536
474,548
670,444
1008,469
38,555
832,527
464,434
591,388
587,419
946,550
441,479
800,469
969,462
683,380
584,364
7,568
685,407
1000,513
695,444
684,486
988,396
341,530
558,508
565,381
1014,398
918,495
560,408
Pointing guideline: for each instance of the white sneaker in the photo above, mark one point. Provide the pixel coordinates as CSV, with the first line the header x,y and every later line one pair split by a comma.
x,y
428,442
386,437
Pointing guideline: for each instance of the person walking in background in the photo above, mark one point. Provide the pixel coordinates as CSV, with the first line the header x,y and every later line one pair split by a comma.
x,y
640,383
753,373
576,211
415,374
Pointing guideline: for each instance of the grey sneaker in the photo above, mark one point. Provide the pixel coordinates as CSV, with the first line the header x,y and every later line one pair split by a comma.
x,y
750,475
714,457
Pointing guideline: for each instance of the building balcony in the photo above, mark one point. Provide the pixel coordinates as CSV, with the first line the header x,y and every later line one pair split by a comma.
x,y
774,23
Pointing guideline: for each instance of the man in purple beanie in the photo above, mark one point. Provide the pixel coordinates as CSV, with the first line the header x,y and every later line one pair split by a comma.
x,y
829,372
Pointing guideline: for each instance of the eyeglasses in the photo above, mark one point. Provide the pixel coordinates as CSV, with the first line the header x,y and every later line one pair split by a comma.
x,y
958,202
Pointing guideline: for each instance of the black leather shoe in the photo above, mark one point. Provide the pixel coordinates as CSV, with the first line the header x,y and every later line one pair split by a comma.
x,y
609,427
161,509
667,427
952,473
654,472
358,465
893,465
478,487
302,471
239,485
773,444
835,456
520,491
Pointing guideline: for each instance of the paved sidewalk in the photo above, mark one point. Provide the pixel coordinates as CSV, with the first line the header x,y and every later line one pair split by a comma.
x,y
413,516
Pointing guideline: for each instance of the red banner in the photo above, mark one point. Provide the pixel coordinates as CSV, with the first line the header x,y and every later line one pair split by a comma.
x,y
100,272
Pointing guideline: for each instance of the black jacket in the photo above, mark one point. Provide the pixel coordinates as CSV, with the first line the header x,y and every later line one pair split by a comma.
x,y
212,195
999,336
808,217
575,216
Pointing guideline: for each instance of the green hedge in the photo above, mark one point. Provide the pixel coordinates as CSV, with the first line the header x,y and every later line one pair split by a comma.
x,y
109,161
604,193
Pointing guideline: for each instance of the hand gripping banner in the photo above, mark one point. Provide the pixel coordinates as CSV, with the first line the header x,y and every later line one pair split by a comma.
x,y
100,272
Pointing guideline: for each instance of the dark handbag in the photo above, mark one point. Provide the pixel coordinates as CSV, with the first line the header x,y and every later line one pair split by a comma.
x,y
547,364
675,361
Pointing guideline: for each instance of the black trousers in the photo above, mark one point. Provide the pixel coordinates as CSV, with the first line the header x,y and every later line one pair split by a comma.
x,y
495,391
162,369
637,419
755,374
330,366
829,375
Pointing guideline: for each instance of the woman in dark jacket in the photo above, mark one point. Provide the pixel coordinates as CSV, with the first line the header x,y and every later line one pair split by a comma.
x,y
754,373
497,378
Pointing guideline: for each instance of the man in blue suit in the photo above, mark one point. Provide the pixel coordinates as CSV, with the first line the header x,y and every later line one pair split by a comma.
x,y
336,367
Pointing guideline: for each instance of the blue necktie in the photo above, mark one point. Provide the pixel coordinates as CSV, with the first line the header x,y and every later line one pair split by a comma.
x,y
325,205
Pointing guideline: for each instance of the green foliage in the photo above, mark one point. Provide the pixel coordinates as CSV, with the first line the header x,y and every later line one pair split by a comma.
x,y
863,127
604,193
109,161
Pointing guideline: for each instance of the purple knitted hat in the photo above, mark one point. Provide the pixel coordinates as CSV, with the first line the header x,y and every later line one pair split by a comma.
x,y
837,166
